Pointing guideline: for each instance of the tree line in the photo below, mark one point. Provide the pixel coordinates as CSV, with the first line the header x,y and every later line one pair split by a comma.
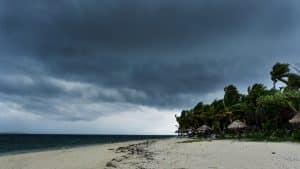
x,y
265,111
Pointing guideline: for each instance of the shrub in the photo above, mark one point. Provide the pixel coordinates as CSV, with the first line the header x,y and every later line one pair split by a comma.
x,y
280,133
296,135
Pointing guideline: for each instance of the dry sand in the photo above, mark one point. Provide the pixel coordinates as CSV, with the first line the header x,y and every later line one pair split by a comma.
x,y
164,154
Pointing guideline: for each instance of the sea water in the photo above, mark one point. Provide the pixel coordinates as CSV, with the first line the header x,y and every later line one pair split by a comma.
x,y
20,143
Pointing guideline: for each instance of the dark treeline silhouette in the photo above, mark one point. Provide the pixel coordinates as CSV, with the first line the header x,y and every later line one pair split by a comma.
x,y
266,112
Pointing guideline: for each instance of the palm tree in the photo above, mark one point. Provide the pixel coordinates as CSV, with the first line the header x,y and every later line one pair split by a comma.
x,y
294,81
279,72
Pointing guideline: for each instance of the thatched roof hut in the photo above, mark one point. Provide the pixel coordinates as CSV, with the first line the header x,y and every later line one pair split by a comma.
x,y
296,119
237,125
204,128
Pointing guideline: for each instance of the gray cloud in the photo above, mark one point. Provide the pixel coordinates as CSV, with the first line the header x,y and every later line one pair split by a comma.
x,y
62,58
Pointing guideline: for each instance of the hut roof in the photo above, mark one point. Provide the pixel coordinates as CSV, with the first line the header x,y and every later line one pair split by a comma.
x,y
295,119
237,124
204,128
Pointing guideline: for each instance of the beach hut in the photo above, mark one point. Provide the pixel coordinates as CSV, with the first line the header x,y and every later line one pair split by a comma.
x,y
204,130
237,126
295,120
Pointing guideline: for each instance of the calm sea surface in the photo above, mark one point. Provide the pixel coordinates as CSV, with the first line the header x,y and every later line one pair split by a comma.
x,y
18,143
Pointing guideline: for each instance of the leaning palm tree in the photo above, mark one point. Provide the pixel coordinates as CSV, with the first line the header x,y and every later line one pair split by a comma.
x,y
294,81
279,72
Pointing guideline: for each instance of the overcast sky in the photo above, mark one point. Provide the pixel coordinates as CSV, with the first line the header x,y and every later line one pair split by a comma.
x,y
127,67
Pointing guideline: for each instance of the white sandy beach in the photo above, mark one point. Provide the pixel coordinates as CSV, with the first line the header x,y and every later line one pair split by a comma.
x,y
164,154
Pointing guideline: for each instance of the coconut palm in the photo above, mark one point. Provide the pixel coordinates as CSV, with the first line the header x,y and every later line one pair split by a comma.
x,y
279,72
264,110
294,81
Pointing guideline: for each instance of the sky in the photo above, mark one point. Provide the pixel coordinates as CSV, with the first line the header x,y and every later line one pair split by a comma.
x,y
127,67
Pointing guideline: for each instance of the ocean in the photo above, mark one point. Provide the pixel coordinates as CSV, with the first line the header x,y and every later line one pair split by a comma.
x,y
21,143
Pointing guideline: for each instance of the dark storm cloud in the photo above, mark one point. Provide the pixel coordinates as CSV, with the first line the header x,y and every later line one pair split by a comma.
x,y
119,24
156,53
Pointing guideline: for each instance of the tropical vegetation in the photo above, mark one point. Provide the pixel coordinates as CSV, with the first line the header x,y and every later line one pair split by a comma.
x,y
266,111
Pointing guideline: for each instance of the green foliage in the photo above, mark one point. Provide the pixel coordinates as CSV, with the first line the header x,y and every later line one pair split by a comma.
x,y
293,99
294,81
279,72
279,133
274,110
271,103
265,111
254,92
232,96
296,135
199,107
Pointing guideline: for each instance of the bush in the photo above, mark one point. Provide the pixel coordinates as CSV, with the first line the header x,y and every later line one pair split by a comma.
x,y
256,136
279,133
296,135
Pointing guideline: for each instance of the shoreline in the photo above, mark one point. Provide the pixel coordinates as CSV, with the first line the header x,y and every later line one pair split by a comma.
x,y
21,152
70,146
63,148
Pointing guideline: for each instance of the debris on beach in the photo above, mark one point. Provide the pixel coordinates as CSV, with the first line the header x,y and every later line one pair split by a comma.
x,y
111,164
132,151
